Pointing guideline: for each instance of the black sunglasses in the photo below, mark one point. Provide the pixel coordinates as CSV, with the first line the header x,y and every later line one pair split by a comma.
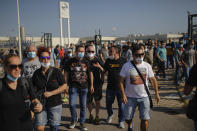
x,y
139,55
12,66
90,51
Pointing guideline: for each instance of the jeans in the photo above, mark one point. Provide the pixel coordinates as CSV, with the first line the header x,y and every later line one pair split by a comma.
x,y
161,66
143,107
73,92
178,70
186,72
51,116
110,97
170,60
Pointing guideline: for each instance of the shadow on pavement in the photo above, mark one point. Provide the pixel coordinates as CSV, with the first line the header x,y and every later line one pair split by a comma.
x,y
169,111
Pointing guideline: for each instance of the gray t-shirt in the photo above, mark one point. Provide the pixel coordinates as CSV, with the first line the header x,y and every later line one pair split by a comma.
x,y
30,67
189,57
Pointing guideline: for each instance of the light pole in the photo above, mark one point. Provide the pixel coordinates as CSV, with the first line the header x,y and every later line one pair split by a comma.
x,y
19,36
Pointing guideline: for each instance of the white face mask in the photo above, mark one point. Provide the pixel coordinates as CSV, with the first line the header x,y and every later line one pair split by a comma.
x,y
46,65
139,60
90,55
111,57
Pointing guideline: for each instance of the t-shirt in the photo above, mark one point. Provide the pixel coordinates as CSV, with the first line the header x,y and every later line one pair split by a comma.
x,y
113,68
162,53
14,116
189,57
56,80
134,84
30,67
96,71
78,73
169,48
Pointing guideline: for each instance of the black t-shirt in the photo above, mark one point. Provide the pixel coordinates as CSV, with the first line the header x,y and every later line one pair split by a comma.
x,y
56,80
113,68
96,71
78,73
14,116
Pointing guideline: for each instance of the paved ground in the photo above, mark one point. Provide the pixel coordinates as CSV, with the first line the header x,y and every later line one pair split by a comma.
x,y
168,115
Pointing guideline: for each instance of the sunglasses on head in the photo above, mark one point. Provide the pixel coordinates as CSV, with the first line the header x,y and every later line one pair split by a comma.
x,y
139,55
12,66
90,51
45,57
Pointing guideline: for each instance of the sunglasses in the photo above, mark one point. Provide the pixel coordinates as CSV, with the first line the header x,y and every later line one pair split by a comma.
x,y
20,66
90,51
45,57
139,55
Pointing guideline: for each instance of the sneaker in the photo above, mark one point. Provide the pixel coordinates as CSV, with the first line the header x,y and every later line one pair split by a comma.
x,y
97,120
109,119
65,99
82,127
91,119
72,125
131,126
121,125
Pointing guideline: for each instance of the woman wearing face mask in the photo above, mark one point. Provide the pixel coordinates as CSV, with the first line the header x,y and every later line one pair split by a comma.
x,y
14,105
49,83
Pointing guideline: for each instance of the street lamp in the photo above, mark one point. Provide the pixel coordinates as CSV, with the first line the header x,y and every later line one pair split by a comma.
x,y
19,36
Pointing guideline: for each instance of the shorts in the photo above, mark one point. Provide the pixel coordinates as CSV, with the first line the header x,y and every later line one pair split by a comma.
x,y
143,106
51,116
97,95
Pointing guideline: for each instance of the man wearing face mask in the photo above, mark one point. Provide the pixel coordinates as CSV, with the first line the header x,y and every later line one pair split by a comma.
x,y
80,78
135,94
32,62
188,59
113,66
161,55
97,68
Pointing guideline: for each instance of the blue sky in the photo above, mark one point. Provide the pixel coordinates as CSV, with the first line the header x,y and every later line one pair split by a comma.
x,y
113,17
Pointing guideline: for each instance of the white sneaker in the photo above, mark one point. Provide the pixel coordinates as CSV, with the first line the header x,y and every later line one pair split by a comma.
x,y
109,119
72,125
121,125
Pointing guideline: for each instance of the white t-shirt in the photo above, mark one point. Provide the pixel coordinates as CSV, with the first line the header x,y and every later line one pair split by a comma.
x,y
134,84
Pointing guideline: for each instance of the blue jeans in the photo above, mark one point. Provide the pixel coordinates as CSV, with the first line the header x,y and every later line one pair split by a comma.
x,y
143,106
73,92
110,97
186,72
170,60
51,116
177,73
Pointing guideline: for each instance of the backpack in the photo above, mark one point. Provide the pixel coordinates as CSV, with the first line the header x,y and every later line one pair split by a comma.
x,y
25,93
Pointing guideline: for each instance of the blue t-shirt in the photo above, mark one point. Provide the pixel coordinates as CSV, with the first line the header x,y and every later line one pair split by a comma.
x,y
162,53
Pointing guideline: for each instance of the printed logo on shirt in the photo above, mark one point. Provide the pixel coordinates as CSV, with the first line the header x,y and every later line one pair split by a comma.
x,y
79,72
135,78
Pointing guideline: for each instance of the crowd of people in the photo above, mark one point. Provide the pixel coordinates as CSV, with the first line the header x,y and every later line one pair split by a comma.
x,y
33,89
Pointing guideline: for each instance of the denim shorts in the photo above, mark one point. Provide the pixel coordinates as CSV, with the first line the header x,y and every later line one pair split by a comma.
x,y
51,116
143,106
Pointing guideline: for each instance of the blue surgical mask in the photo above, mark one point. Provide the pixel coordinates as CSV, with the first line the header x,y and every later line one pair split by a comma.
x,y
31,54
81,54
12,78
70,55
